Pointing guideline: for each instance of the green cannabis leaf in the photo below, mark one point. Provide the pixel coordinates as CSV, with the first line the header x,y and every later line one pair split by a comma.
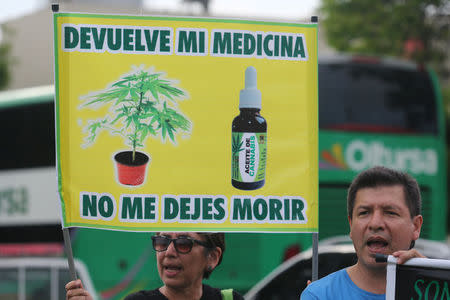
x,y
236,145
142,104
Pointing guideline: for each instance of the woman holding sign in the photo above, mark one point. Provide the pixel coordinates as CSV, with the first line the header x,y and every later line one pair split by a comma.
x,y
183,260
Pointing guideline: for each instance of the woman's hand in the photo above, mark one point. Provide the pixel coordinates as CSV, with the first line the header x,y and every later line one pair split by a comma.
x,y
75,291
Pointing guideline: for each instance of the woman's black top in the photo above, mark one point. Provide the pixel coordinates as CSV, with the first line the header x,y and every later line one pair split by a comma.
x,y
209,293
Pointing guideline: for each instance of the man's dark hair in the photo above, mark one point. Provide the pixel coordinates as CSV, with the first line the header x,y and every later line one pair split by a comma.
x,y
382,176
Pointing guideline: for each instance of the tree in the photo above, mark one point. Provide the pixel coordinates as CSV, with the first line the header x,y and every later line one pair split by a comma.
x,y
414,29
5,59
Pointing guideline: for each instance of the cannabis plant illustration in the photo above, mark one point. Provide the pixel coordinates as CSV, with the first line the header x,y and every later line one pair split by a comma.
x,y
236,147
142,104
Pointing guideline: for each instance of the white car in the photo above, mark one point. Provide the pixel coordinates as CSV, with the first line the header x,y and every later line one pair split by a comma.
x,y
287,281
37,278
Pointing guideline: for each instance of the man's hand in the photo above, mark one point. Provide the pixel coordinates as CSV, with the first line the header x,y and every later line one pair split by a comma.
x,y
404,255
75,291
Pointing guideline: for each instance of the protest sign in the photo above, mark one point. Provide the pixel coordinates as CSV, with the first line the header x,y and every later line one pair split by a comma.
x,y
147,134
418,278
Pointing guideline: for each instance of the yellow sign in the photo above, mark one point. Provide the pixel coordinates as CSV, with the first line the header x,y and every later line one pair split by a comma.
x,y
186,124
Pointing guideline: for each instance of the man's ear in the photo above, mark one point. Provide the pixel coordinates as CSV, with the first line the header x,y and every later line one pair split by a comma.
x,y
350,225
417,223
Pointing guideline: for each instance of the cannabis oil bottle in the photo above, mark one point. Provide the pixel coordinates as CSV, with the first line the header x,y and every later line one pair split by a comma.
x,y
249,138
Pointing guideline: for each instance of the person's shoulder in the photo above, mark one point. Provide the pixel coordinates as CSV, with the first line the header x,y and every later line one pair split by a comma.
x,y
320,288
330,279
237,296
146,295
215,293
210,293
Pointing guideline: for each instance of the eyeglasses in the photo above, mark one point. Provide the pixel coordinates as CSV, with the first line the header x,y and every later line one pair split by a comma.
x,y
182,245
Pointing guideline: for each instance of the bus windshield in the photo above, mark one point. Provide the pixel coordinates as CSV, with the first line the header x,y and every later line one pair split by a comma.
x,y
368,97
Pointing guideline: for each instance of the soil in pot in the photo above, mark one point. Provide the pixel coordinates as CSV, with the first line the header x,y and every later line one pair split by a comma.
x,y
131,172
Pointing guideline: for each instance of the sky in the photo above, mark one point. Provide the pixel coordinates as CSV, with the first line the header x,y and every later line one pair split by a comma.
x,y
13,9
288,10
270,9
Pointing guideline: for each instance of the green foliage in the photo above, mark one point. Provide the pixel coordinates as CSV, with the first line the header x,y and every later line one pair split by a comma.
x,y
446,100
384,27
5,57
138,109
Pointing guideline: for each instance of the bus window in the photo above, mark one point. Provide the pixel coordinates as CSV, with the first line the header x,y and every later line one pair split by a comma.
x,y
28,136
42,233
377,98
28,213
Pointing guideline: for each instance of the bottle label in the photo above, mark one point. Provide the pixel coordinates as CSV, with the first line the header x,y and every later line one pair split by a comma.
x,y
249,155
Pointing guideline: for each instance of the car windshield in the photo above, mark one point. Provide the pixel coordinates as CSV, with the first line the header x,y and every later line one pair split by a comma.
x,y
289,284
376,98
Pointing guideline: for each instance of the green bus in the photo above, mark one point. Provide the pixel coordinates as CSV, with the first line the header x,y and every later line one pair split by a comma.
x,y
372,111
375,111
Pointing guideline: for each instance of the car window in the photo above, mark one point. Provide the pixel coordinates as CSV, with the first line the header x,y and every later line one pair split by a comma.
x,y
37,283
63,279
9,284
289,284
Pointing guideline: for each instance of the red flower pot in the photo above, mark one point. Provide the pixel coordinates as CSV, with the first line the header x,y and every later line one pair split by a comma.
x,y
131,172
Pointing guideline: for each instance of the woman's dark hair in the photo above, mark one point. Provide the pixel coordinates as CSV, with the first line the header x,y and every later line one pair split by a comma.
x,y
216,239
382,176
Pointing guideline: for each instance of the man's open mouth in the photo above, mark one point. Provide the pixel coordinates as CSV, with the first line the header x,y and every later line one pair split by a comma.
x,y
377,243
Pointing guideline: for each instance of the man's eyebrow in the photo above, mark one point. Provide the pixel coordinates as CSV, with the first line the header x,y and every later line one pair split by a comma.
x,y
390,206
395,207
361,206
